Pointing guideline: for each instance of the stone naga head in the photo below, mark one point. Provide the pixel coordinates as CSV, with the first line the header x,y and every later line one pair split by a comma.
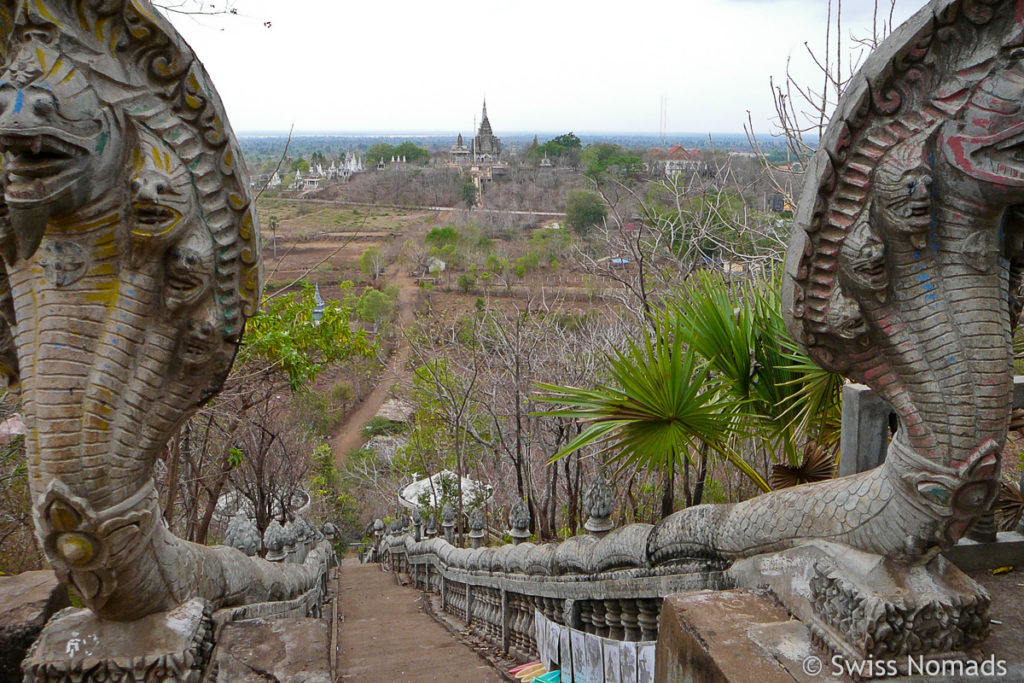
x,y
130,261
61,146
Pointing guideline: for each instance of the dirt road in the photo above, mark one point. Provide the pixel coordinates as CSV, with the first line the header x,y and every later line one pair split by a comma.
x,y
349,435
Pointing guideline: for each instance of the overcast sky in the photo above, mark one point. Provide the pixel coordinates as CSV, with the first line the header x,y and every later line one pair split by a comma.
x,y
544,65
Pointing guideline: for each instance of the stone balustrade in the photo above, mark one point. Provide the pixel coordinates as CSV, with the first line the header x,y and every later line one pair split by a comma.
x,y
604,586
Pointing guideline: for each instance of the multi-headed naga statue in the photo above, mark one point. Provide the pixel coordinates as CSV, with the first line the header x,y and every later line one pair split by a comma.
x,y
903,273
130,262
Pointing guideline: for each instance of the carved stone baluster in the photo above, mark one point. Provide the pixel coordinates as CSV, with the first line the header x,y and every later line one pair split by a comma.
x,y
613,617
650,609
531,640
571,612
597,614
630,611
514,625
586,616
494,614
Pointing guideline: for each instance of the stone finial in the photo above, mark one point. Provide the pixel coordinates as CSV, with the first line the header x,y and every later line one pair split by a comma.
x,y
315,535
242,534
417,525
273,539
301,533
476,520
599,501
519,521
378,527
303,539
448,514
290,541
476,526
448,521
431,526
330,532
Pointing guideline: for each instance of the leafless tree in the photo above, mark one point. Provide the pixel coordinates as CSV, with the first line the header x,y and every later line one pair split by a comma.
x,y
803,110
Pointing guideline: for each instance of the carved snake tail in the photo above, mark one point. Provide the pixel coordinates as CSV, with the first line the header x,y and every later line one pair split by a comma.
x,y
899,275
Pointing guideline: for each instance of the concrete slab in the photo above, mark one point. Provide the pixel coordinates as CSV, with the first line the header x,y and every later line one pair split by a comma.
x,y
274,650
77,645
734,636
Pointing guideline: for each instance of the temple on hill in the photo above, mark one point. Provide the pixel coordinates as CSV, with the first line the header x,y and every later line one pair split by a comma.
x,y
484,149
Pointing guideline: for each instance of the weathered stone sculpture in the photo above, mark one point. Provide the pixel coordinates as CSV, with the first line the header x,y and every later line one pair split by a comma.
x,y
243,535
902,274
448,521
130,262
519,522
598,501
476,526
274,542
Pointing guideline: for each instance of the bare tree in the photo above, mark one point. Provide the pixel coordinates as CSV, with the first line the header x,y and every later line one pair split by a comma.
x,y
803,110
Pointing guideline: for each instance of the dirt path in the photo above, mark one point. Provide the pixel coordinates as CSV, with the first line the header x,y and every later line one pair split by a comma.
x,y
386,636
349,434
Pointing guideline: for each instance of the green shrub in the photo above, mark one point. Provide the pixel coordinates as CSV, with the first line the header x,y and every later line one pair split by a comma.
x,y
381,426
466,282
442,237
584,210
340,392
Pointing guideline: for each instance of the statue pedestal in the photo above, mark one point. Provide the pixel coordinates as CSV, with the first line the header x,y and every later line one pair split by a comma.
x,y
860,605
735,636
76,645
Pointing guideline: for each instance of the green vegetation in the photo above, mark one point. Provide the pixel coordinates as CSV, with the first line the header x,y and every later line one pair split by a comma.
x,y
413,153
601,159
442,237
467,281
381,426
342,509
374,307
718,368
565,149
283,334
584,210
371,262
468,193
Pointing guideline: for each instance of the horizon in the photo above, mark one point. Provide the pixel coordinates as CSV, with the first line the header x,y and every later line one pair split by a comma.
x,y
453,133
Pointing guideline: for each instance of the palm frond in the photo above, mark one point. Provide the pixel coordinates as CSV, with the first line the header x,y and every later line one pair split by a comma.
x,y
819,464
1009,507
659,406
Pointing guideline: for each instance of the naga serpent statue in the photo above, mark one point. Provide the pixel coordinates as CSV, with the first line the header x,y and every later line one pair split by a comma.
x,y
130,263
903,273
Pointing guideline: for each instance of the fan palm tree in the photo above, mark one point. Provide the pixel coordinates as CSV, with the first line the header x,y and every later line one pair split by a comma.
x,y
658,408
739,331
